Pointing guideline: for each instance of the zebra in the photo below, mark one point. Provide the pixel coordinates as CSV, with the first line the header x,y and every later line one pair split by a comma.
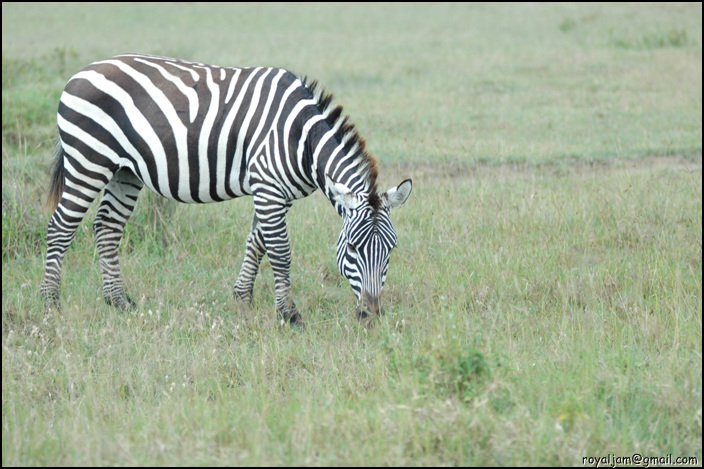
x,y
198,133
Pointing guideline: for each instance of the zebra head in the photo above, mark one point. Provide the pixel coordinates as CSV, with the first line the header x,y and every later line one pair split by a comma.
x,y
366,240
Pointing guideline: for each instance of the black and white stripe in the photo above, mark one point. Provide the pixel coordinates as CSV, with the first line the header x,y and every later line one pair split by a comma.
x,y
199,133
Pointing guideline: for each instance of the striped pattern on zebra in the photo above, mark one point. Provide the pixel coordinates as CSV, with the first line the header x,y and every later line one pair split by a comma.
x,y
200,133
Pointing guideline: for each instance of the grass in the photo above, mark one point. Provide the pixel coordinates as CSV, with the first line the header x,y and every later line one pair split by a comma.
x,y
543,305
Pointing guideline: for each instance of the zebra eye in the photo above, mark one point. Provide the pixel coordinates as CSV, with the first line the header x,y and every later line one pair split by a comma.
x,y
351,248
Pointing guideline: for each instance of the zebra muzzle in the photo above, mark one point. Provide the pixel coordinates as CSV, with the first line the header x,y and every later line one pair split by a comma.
x,y
368,306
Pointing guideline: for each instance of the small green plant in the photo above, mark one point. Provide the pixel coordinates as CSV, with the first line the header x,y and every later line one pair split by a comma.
x,y
466,372
570,413
567,25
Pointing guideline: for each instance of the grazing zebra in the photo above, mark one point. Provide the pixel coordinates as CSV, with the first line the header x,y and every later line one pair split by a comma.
x,y
199,133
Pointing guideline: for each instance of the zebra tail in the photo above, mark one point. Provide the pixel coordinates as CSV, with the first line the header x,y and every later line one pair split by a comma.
x,y
57,180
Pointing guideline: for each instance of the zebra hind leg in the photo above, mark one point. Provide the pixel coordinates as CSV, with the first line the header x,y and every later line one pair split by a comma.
x,y
60,233
70,202
254,252
116,206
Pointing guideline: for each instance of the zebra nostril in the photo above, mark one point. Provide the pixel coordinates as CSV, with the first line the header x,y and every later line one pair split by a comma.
x,y
370,304
363,315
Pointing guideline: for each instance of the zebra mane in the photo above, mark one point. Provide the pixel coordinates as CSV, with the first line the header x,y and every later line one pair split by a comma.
x,y
354,144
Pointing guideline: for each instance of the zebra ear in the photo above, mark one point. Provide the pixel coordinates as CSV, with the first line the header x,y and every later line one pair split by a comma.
x,y
341,194
397,196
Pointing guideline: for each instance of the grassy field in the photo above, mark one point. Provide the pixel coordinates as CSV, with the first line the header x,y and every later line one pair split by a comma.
x,y
544,304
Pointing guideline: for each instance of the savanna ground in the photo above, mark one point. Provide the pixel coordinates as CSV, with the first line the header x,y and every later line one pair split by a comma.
x,y
544,303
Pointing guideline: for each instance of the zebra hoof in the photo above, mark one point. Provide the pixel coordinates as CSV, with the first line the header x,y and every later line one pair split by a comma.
x,y
293,317
365,319
52,306
51,300
297,321
123,304
245,297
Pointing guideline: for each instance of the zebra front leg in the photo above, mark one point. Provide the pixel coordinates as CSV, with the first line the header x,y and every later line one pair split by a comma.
x,y
118,202
254,252
272,220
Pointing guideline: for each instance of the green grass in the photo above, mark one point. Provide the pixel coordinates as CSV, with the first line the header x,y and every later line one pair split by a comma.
x,y
544,303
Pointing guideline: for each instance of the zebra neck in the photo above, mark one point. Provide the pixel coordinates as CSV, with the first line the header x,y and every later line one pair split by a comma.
x,y
334,148
349,165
